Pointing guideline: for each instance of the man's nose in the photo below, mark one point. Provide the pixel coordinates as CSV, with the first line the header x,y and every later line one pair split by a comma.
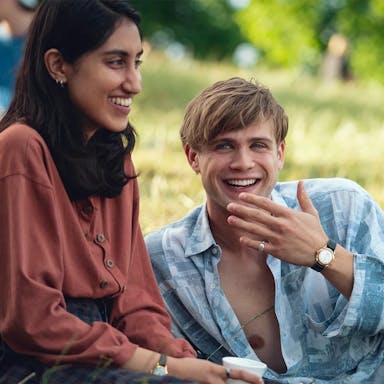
x,y
243,159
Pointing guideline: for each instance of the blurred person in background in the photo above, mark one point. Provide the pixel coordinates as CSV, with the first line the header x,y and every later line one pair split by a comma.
x,y
289,273
15,17
335,65
79,300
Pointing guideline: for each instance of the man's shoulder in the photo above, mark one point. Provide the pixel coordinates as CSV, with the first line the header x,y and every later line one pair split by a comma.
x,y
180,229
321,189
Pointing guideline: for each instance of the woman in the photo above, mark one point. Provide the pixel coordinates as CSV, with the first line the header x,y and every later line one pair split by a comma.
x,y
79,302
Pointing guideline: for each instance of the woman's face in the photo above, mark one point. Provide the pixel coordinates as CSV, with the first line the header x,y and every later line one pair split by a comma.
x,y
103,82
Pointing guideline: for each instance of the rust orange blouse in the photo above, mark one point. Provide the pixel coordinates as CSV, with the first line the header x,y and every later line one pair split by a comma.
x,y
51,247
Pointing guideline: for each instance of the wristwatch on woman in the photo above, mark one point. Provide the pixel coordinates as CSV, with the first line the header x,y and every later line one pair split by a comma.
x,y
324,256
160,369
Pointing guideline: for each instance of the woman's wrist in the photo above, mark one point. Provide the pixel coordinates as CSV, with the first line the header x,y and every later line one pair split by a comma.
x,y
143,360
175,366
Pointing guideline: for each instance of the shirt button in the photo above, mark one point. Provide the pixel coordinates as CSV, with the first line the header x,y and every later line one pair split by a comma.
x,y
214,251
100,237
213,286
88,209
123,288
103,284
109,263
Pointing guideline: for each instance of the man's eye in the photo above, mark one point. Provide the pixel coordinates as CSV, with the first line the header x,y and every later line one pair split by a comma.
x,y
259,145
223,146
138,62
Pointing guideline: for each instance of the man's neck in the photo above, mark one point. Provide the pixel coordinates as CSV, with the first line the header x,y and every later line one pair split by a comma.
x,y
225,235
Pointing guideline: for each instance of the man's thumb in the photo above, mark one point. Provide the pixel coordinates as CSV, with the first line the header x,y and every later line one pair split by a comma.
x,y
304,200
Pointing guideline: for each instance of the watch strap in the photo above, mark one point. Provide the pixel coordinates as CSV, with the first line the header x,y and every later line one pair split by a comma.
x,y
318,267
163,360
331,244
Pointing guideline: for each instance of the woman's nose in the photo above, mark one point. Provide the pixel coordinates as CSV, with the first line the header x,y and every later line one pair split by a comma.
x,y
132,81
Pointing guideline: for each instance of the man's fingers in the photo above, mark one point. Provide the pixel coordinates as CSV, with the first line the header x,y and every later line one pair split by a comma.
x,y
304,200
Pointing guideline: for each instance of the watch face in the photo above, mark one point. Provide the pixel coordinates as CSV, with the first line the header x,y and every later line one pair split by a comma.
x,y
325,256
159,371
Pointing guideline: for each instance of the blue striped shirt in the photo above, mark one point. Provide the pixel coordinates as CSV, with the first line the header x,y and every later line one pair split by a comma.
x,y
324,337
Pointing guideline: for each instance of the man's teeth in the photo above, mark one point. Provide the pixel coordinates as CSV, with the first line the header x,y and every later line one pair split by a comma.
x,y
242,183
125,102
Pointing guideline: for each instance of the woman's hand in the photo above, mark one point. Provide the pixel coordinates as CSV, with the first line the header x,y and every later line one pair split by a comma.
x,y
188,368
206,372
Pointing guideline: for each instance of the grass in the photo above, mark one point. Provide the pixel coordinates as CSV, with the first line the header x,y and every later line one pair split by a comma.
x,y
335,130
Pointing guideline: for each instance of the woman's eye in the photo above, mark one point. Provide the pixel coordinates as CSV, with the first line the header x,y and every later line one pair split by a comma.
x,y
138,62
116,62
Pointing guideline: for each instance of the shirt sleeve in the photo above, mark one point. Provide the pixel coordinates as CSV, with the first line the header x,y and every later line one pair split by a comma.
x,y
358,224
365,239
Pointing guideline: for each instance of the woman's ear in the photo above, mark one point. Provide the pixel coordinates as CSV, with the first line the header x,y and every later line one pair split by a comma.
x,y
193,158
55,65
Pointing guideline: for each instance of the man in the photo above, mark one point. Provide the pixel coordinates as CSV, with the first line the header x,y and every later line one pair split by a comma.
x,y
15,17
289,273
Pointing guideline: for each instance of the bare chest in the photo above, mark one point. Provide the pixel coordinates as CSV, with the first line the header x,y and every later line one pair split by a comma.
x,y
250,289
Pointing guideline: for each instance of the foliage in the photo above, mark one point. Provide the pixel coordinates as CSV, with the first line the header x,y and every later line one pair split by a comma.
x,y
282,30
288,33
296,32
205,27
335,130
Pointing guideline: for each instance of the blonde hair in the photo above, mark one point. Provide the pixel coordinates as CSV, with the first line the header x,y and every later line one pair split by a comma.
x,y
230,105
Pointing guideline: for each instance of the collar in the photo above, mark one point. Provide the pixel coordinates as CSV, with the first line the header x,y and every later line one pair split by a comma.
x,y
201,237
277,198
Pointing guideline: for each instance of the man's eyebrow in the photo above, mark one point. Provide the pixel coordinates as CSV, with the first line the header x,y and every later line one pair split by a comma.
x,y
253,138
121,52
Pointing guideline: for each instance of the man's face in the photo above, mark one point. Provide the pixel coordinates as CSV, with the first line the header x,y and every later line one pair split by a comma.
x,y
247,160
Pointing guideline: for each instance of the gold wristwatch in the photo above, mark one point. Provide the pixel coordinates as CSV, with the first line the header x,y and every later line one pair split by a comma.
x,y
324,256
160,368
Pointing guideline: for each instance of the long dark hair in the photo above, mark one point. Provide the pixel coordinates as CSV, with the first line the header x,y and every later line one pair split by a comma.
x,y
74,27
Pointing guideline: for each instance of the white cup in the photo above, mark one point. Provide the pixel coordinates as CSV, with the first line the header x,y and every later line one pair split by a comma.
x,y
251,366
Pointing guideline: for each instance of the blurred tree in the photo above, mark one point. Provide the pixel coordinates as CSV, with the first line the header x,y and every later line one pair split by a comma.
x,y
363,22
286,33
205,27
283,30
296,32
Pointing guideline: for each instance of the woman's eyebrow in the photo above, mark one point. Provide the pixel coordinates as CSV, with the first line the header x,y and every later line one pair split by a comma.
x,y
121,52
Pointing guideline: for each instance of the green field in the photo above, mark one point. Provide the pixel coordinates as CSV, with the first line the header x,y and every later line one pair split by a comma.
x,y
335,130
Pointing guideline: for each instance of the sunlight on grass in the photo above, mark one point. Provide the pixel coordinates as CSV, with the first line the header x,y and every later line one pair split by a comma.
x,y
335,130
